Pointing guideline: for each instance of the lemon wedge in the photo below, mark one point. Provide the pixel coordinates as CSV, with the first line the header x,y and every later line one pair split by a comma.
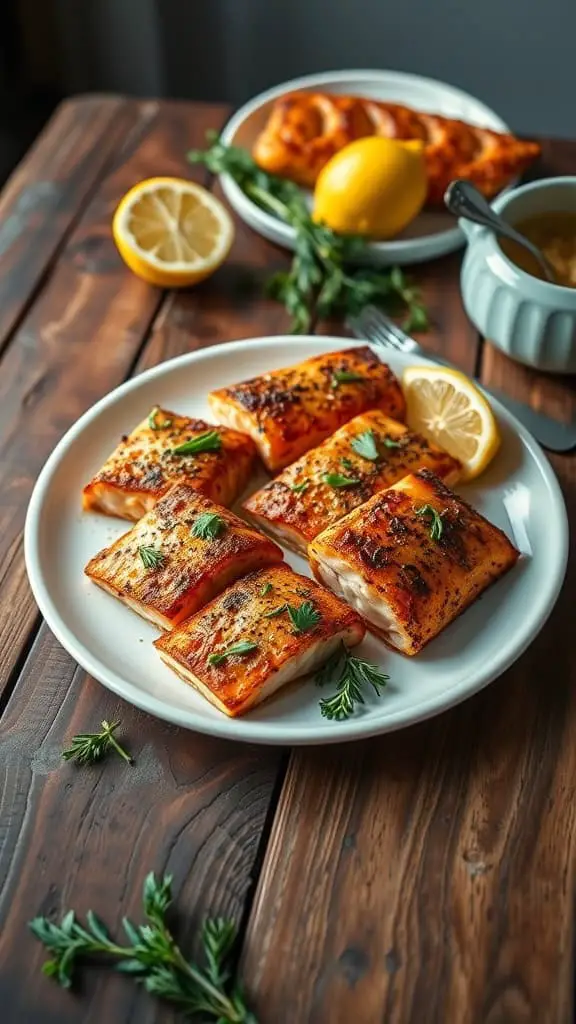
x,y
172,232
445,406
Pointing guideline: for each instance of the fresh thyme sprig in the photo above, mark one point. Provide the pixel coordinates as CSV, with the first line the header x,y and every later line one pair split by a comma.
x,y
89,747
152,957
318,283
351,675
434,518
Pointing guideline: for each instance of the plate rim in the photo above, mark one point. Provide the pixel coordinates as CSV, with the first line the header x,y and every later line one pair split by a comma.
x,y
256,732
401,251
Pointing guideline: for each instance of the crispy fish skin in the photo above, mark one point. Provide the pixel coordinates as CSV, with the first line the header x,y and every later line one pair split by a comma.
x,y
298,504
282,653
142,468
288,411
407,585
193,569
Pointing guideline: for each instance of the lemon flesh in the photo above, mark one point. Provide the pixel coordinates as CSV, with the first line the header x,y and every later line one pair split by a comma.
x,y
446,407
373,187
172,232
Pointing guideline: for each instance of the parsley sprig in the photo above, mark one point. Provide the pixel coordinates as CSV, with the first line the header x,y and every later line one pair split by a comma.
x,y
352,676
208,526
338,480
90,747
150,557
319,282
240,649
303,618
209,441
152,957
153,420
434,518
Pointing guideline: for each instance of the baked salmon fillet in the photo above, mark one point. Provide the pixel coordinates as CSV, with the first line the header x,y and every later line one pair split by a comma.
x,y
411,559
365,456
261,633
179,556
287,412
167,449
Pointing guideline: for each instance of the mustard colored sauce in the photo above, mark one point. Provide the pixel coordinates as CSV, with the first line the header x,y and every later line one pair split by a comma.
x,y
555,235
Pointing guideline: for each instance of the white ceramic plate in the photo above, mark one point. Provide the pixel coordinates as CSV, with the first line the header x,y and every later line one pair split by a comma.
x,y
519,493
432,233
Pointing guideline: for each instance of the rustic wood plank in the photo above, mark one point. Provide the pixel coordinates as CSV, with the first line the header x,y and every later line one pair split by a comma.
x,y
48,191
78,341
437,865
192,806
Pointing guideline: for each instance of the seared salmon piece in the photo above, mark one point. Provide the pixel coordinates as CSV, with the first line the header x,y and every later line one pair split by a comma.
x,y
179,556
411,559
365,456
261,633
287,412
166,449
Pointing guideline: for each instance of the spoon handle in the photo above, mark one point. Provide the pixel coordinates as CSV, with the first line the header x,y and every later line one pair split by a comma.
x,y
463,199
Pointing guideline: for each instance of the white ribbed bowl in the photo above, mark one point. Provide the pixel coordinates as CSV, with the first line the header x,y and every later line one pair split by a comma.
x,y
530,320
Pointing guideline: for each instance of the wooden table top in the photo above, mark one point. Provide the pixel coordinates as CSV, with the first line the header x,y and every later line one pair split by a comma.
x,y
426,876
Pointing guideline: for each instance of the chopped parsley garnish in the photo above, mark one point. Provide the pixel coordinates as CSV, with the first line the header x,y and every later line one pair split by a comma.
x,y
434,518
236,650
300,488
346,377
265,589
209,441
365,446
151,557
153,420
337,480
208,526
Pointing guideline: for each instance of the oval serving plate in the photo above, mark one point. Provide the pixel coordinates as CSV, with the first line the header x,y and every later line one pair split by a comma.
x,y
519,493
432,233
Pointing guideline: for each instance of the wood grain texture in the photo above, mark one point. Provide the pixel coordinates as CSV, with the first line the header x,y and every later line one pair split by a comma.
x,y
79,339
192,806
48,191
83,838
436,866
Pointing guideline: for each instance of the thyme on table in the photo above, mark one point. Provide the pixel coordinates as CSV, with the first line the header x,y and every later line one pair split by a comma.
x,y
351,676
90,747
152,957
320,282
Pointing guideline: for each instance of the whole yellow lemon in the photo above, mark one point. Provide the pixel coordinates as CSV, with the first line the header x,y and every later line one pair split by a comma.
x,y
372,187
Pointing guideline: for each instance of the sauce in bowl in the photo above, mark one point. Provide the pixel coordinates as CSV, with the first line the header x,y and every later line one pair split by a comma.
x,y
554,232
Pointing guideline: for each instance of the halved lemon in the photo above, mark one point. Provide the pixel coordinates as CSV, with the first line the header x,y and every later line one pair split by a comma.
x,y
172,232
445,406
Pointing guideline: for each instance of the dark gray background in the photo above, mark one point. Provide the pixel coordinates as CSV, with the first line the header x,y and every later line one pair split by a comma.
x,y
519,56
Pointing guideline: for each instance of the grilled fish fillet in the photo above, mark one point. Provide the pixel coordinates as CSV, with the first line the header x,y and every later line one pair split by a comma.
x,y
408,572
179,556
331,480
254,612
305,129
289,411
143,466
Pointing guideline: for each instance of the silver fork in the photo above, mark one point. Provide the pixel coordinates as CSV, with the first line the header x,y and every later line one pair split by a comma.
x,y
373,325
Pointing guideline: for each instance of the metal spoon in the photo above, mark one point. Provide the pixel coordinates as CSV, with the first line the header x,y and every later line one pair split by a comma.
x,y
464,200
